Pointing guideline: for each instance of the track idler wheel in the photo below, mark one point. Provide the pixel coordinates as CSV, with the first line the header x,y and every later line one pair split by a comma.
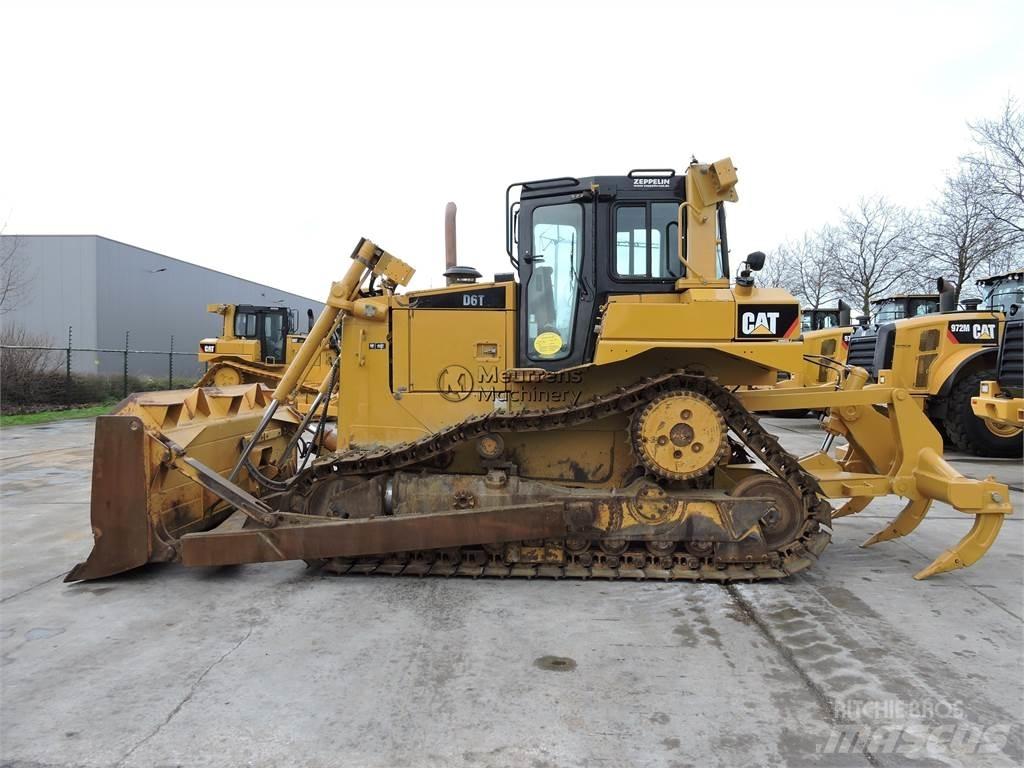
x,y
784,517
679,436
226,376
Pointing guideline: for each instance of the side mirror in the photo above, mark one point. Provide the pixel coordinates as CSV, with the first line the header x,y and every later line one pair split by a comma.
x,y
755,261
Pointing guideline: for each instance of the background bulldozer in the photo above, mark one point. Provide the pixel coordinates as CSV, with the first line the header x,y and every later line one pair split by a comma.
x,y
256,345
582,416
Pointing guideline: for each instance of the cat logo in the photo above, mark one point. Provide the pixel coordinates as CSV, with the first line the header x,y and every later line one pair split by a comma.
x,y
964,332
767,321
759,323
984,331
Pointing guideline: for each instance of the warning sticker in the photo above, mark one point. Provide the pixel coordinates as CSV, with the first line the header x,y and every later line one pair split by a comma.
x,y
548,343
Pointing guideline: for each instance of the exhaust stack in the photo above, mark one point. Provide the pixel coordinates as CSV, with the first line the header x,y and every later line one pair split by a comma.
x,y
844,314
947,295
450,255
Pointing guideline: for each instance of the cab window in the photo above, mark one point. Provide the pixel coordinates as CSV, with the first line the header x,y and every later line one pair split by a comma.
x,y
920,307
245,325
647,242
552,294
1007,298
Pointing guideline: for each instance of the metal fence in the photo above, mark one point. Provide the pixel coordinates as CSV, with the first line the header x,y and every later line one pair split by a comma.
x,y
33,374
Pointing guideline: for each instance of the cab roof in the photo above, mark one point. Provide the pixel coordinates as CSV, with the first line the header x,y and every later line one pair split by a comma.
x,y
665,181
1008,277
898,296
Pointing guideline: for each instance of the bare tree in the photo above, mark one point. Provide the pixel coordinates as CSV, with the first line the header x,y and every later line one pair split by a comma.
x,y
804,267
814,268
778,269
14,276
960,234
999,164
24,369
1008,259
873,245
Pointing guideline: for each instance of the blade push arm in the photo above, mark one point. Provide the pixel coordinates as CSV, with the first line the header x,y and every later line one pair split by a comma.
x,y
366,258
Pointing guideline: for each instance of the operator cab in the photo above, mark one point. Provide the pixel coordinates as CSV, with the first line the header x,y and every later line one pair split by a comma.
x,y
821,318
269,326
1004,293
897,307
575,242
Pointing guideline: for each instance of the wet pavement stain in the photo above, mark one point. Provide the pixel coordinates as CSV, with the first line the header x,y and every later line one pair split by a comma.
x,y
555,663
42,633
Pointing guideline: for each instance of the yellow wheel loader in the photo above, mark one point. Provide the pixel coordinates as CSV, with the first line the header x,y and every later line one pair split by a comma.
x,y
1000,399
935,350
581,416
255,347
825,333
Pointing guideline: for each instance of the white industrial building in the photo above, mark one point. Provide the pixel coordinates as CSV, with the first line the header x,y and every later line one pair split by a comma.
x,y
103,289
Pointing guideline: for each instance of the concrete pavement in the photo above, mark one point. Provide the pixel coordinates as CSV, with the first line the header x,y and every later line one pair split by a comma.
x,y
851,663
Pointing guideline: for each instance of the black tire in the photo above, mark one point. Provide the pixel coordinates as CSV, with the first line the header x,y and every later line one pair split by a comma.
x,y
971,434
940,427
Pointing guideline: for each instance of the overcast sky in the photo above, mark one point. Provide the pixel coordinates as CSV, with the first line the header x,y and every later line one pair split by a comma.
x,y
265,139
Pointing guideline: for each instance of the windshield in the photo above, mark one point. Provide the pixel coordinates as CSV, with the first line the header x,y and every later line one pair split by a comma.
x,y
888,311
817,319
1007,297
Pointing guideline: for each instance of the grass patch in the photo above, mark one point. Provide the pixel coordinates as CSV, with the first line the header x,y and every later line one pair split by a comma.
x,y
44,417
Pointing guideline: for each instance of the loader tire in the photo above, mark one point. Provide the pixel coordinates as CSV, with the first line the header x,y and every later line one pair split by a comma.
x,y
977,436
792,413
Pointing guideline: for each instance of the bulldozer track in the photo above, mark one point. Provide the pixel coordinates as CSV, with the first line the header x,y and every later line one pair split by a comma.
x,y
636,561
251,374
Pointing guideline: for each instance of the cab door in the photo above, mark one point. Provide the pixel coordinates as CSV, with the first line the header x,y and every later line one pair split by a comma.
x,y
271,334
556,272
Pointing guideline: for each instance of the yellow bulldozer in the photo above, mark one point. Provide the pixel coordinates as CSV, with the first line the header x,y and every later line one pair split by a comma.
x,y
582,416
255,346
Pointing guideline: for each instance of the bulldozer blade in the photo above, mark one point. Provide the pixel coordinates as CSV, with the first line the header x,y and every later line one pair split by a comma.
x,y
906,521
968,550
119,523
144,495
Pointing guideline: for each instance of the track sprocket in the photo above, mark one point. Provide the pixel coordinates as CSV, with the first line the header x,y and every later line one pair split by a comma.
x,y
679,435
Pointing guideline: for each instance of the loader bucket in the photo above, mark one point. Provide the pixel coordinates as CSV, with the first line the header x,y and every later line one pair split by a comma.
x,y
141,505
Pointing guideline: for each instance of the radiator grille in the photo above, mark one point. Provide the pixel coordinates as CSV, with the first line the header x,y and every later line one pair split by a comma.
x,y
1011,356
862,353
